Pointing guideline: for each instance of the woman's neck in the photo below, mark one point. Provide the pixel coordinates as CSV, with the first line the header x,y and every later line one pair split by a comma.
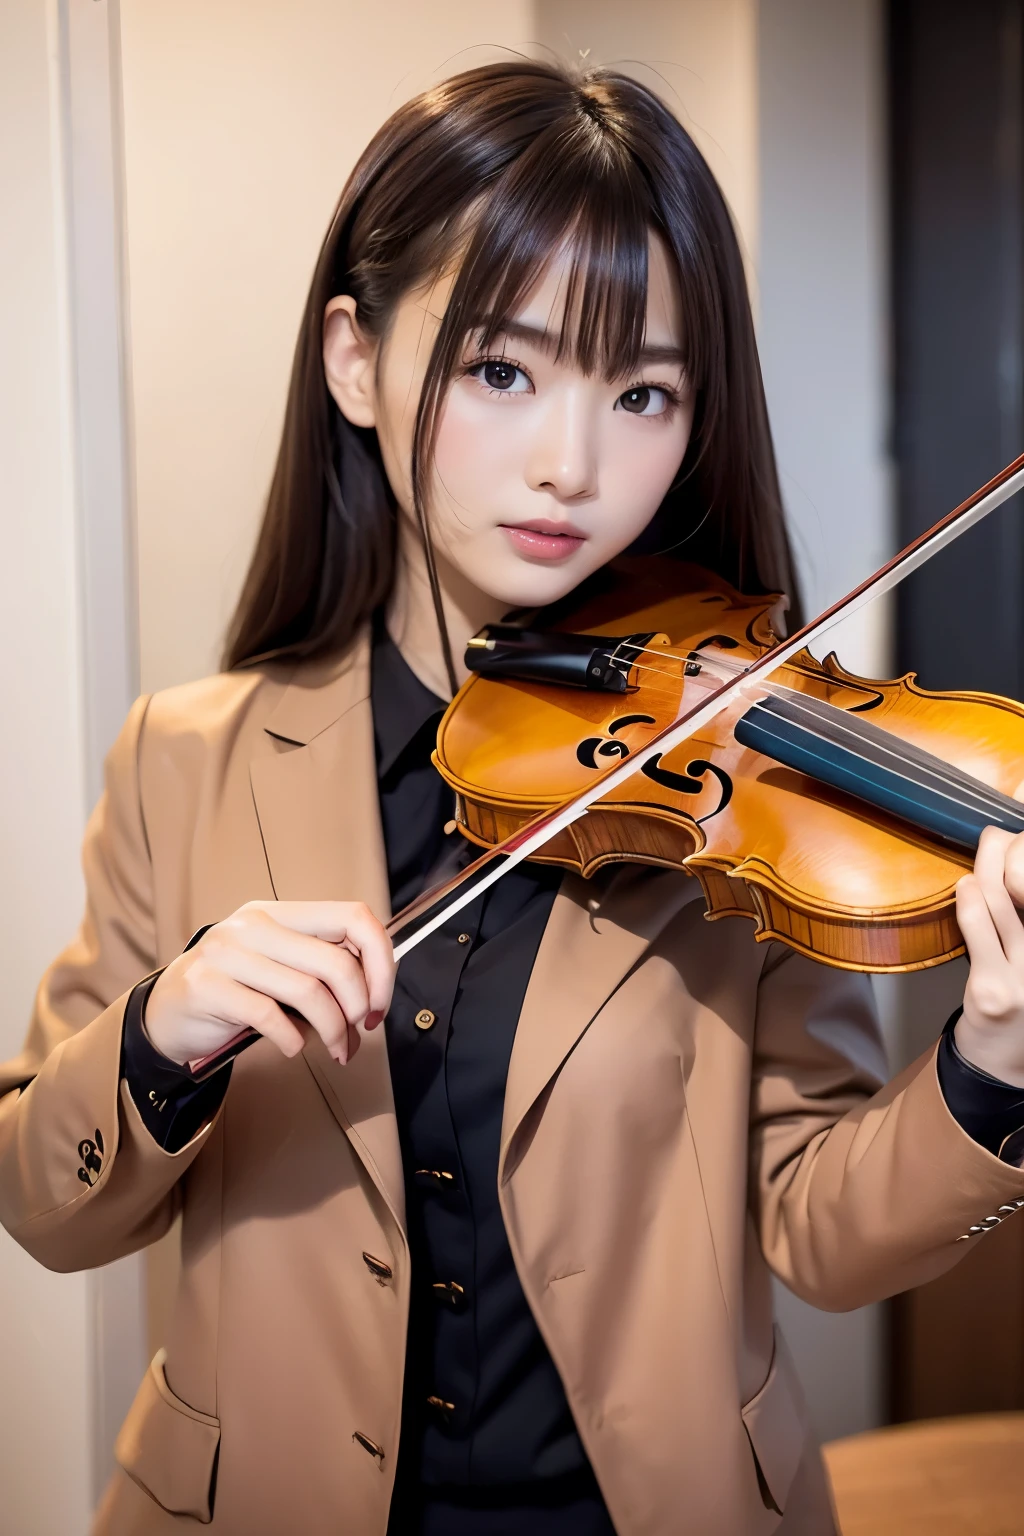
x,y
412,619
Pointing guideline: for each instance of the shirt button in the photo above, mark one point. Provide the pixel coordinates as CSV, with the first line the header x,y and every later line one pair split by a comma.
x,y
450,1294
425,1019
436,1177
441,1408
465,938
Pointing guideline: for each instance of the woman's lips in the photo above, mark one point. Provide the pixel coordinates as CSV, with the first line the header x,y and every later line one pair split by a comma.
x,y
543,540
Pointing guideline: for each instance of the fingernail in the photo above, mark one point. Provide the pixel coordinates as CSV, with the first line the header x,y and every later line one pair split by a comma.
x,y
373,1018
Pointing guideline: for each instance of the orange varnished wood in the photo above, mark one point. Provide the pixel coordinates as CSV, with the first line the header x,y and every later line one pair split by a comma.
x,y
809,865
947,1477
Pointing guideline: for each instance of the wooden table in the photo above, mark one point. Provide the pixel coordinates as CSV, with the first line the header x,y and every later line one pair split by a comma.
x,y
940,1477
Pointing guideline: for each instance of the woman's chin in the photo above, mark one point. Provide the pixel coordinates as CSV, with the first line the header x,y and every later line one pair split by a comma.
x,y
528,585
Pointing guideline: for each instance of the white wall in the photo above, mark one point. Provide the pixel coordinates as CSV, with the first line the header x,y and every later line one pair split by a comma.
x,y
822,333
45,1400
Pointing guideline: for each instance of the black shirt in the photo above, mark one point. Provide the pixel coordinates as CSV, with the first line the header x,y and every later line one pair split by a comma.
x,y
484,1403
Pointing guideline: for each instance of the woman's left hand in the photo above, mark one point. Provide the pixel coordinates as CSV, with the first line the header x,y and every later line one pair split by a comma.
x,y
990,1032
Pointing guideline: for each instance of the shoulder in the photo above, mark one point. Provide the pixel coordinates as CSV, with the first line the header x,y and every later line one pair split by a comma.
x,y
211,718
239,713
212,706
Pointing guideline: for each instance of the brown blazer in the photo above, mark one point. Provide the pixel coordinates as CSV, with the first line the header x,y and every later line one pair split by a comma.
x,y
685,1109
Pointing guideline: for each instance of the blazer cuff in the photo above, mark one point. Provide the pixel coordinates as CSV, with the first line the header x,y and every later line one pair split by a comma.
x,y
989,1110
171,1104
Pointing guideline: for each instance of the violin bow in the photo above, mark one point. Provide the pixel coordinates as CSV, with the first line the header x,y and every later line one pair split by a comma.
x,y
435,906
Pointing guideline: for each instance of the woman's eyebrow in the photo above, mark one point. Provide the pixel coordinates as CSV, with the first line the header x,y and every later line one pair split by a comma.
x,y
547,341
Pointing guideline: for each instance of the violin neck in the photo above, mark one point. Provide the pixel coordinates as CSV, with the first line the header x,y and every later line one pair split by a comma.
x,y
858,757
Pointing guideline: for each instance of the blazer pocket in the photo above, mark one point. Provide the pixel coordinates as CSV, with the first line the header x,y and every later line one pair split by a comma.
x,y
775,1429
168,1448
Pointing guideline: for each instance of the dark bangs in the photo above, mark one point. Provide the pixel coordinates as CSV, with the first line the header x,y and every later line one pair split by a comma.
x,y
496,172
572,190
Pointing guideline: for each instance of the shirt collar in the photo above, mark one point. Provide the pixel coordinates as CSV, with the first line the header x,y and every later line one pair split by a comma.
x,y
402,705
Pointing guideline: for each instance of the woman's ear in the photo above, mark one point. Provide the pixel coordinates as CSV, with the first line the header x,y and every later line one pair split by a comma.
x,y
350,363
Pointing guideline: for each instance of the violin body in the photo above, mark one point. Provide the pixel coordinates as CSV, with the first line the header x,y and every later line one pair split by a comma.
x,y
811,865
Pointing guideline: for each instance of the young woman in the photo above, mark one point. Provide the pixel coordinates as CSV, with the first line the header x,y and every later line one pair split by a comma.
x,y
484,1249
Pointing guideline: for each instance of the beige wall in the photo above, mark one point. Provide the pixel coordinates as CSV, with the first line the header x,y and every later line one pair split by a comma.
x,y
242,120
701,57
45,1394
822,276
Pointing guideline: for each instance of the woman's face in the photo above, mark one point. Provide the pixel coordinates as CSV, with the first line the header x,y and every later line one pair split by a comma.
x,y
542,473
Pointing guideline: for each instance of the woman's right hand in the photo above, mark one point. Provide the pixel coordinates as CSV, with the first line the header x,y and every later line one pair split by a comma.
x,y
330,961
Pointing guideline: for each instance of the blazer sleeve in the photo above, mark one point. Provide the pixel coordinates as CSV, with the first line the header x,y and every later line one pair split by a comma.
x,y
81,1180
858,1190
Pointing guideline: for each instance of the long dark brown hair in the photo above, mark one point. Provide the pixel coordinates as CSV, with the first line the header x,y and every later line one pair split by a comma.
x,y
493,172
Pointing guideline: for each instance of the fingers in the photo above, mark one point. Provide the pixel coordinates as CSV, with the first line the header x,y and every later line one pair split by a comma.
x,y
347,926
975,922
305,994
995,850
376,952
330,966
330,962
1013,875
991,995
990,1030
229,1002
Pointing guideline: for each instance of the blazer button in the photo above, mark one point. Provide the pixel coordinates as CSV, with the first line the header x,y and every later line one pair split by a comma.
x,y
425,1019
380,1271
369,1445
465,938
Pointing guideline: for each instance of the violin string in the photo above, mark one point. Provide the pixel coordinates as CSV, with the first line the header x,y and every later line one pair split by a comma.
x,y
915,763
910,760
918,767
962,786
902,753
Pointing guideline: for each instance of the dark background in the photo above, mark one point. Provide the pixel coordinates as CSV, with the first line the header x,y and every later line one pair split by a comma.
x,y
956,94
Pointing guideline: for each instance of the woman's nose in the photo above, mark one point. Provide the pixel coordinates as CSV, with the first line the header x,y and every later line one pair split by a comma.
x,y
562,458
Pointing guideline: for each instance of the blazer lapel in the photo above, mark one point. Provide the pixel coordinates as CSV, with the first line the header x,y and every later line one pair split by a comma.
x,y
315,791
594,937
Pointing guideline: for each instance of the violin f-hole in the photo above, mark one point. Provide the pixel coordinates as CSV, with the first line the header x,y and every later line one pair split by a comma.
x,y
593,747
692,781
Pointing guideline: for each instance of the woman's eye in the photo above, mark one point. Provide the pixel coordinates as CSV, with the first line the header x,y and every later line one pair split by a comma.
x,y
645,400
502,376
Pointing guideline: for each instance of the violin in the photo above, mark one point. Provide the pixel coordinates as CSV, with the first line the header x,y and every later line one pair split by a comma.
x,y
666,722
835,811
